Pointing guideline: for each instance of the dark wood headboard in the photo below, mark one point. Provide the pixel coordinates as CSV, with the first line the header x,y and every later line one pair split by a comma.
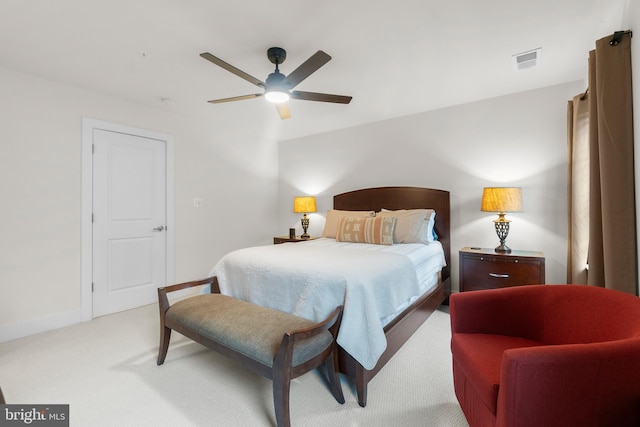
x,y
394,198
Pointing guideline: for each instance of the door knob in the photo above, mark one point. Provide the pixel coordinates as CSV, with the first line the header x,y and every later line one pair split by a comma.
x,y
159,228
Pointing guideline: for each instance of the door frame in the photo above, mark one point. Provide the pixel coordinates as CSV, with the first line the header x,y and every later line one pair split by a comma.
x,y
88,126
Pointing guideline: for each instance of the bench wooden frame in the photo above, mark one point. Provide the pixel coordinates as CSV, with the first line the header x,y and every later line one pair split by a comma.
x,y
282,371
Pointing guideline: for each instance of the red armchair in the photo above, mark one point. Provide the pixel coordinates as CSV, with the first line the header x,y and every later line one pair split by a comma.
x,y
547,355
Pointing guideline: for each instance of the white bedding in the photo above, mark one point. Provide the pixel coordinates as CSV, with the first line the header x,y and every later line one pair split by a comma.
x,y
310,279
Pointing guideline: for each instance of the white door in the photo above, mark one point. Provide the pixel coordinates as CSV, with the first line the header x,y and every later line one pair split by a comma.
x,y
129,220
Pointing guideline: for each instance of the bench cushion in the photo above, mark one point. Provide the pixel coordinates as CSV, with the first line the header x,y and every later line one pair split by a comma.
x,y
249,329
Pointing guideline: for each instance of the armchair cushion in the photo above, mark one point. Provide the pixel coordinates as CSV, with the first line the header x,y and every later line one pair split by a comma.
x,y
480,357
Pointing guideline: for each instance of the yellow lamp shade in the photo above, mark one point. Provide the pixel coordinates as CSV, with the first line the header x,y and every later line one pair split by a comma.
x,y
304,204
501,199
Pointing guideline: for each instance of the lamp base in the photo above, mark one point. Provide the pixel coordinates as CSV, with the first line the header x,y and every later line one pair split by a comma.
x,y
305,226
502,230
504,249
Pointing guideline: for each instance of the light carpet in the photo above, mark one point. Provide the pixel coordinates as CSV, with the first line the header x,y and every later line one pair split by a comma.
x,y
106,371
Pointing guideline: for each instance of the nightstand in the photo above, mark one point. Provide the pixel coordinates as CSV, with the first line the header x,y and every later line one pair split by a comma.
x,y
286,239
483,268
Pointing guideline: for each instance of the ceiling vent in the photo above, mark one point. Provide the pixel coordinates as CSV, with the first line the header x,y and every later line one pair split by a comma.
x,y
526,60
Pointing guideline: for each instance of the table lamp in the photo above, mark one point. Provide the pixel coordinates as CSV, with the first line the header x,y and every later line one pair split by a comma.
x,y
304,205
502,200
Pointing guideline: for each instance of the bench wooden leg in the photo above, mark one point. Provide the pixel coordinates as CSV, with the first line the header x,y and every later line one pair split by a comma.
x,y
165,336
331,365
281,386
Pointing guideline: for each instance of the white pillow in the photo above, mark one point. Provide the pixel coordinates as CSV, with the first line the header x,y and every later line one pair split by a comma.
x,y
333,218
412,225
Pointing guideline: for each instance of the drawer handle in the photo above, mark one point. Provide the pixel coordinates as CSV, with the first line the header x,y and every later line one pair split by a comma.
x,y
499,276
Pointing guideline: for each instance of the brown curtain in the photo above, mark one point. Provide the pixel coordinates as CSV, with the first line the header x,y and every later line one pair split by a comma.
x,y
578,194
602,218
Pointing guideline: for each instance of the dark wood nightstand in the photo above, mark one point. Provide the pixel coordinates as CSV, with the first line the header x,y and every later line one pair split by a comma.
x,y
286,239
483,268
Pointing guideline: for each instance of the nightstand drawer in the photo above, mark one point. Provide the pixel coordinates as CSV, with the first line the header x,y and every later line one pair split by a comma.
x,y
489,273
481,269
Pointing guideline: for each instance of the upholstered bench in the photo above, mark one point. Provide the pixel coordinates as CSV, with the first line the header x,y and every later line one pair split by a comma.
x,y
274,344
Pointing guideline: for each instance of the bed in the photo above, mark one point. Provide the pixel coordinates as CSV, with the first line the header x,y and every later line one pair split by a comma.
x,y
306,279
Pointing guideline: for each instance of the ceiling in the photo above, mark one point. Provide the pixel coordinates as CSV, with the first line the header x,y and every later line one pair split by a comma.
x,y
394,58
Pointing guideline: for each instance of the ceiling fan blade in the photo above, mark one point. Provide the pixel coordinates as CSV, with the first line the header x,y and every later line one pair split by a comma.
x,y
235,98
219,62
322,97
283,110
305,69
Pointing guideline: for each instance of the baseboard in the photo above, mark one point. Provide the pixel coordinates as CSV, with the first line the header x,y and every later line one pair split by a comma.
x,y
42,324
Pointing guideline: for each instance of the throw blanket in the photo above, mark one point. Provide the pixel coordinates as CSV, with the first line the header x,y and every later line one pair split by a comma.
x,y
311,279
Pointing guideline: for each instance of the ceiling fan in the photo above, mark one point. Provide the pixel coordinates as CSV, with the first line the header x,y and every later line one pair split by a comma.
x,y
278,87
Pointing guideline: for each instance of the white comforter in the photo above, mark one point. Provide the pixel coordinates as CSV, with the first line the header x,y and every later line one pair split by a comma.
x,y
310,279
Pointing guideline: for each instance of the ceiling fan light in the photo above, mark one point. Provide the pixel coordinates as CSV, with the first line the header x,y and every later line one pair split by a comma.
x,y
276,96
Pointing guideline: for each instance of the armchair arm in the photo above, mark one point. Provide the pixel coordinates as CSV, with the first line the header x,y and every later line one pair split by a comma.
x,y
574,384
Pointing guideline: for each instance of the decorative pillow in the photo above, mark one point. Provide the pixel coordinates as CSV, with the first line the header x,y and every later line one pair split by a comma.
x,y
413,225
378,231
333,218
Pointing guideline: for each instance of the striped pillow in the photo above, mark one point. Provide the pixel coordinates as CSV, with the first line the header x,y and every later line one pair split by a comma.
x,y
378,231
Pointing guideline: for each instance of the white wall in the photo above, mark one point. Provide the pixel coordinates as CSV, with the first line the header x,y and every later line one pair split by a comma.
x,y
515,140
233,171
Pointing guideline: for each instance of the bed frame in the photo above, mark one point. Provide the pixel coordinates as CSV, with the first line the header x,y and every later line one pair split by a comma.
x,y
399,330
